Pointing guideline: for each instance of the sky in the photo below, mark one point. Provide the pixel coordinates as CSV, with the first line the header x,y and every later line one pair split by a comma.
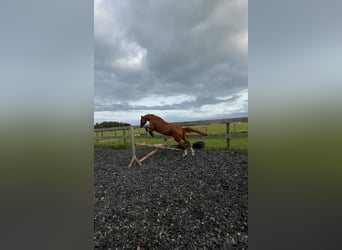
x,y
181,60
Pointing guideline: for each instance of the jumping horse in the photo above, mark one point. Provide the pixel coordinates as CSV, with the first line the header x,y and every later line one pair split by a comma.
x,y
177,132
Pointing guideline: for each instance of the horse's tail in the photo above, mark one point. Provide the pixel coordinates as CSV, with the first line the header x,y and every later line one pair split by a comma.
x,y
188,129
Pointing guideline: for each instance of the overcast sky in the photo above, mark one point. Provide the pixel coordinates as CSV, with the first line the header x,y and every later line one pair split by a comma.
x,y
181,60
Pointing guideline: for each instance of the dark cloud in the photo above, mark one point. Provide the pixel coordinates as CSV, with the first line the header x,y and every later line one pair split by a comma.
x,y
168,48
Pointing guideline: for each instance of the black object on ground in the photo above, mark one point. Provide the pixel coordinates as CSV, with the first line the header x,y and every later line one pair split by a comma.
x,y
198,145
195,145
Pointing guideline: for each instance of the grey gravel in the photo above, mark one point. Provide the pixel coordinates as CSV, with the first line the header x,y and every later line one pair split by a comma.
x,y
171,202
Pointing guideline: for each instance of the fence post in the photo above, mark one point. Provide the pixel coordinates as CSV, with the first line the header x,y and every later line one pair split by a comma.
x,y
97,136
228,134
124,137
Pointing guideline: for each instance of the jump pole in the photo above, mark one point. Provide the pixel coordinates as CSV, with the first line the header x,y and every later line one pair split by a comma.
x,y
134,157
155,150
148,155
155,146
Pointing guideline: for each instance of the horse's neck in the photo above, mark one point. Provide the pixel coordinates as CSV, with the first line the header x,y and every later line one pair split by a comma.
x,y
157,120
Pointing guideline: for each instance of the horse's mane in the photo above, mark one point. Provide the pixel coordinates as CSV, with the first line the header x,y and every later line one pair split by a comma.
x,y
155,116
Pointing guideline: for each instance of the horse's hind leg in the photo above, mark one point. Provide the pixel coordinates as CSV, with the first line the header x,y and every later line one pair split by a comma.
x,y
184,146
192,151
190,146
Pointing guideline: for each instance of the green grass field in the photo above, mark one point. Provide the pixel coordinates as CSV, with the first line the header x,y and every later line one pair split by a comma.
x,y
236,144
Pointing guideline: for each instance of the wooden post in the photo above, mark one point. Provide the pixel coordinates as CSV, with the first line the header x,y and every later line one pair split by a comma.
x,y
97,136
134,157
124,136
228,134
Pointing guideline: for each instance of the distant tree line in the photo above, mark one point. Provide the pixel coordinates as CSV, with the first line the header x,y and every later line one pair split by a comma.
x,y
110,124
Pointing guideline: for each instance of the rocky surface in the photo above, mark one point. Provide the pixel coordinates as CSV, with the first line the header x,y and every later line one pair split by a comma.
x,y
171,202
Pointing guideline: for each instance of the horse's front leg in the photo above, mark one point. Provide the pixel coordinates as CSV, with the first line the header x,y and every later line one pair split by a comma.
x,y
148,129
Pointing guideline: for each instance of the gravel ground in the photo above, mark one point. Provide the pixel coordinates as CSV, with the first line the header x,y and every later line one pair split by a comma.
x,y
171,202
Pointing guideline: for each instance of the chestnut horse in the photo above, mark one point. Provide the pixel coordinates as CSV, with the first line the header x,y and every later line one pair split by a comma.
x,y
168,129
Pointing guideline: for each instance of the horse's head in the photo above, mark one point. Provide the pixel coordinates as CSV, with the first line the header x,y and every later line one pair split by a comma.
x,y
143,121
